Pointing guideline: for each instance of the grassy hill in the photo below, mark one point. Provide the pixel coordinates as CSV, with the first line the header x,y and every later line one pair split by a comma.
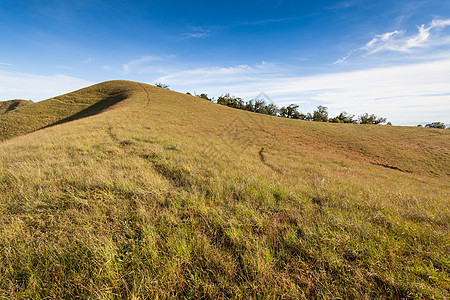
x,y
68,107
141,192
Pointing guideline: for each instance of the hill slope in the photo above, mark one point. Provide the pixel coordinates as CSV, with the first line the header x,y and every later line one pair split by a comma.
x,y
168,195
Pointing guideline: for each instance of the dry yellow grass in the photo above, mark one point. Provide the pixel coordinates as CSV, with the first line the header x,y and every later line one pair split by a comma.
x,y
166,195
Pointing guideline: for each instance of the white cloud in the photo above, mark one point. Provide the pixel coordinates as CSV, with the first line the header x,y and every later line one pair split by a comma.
x,y
344,59
396,41
264,22
36,87
427,37
145,64
341,5
209,75
221,74
440,23
197,33
137,63
404,94
200,32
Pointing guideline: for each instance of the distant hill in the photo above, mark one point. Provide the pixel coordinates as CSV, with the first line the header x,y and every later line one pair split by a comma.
x,y
126,190
78,104
11,105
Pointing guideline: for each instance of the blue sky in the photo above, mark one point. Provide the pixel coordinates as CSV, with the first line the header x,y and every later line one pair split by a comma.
x,y
391,58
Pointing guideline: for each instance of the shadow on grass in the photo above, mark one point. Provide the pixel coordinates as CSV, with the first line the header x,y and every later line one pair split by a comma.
x,y
12,107
94,109
15,104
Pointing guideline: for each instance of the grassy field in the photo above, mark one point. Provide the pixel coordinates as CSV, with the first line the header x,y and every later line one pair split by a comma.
x,y
140,192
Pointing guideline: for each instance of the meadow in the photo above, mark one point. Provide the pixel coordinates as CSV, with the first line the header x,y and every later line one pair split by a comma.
x,y
126,190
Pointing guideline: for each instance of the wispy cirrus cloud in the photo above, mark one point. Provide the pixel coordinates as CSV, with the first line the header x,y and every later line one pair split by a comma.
x,y
426,37
197,33
396,41
341,5
136,63
209,74
438,23
221,76
264,22
344,59
144,64
200,32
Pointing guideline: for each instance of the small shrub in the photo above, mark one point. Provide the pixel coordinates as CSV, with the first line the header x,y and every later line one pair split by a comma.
x,y
162,85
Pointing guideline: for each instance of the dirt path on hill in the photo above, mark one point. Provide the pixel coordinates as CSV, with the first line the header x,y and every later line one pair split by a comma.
x,y
263,160
148,95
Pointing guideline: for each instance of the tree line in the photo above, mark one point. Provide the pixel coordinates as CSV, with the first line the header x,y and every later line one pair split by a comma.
x,y
438,125
291,111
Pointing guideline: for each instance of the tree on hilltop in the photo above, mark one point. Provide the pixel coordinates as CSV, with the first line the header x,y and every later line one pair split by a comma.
x,y
231,101
370,119
343,117
439,125
290,112
321,114
162,85
204,96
